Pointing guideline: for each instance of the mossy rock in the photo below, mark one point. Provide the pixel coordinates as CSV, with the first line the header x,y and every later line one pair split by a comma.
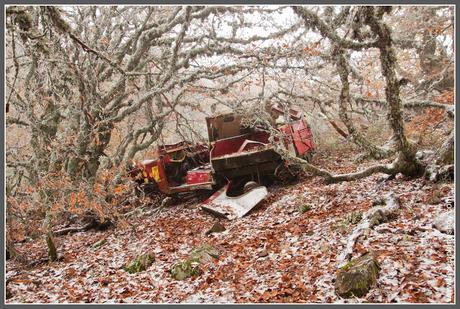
x,y
216,228
354,217
376,218
358,276
191,266
140,263
445,222
204,253
8,293
304,208
342,226
185,269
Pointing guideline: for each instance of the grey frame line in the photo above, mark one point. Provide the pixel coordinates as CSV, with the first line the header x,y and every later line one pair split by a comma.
x,y
208,2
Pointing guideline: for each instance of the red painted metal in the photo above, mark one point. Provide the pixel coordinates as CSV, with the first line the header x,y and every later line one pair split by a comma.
x,y
233,144
173,173
299,133
199,176
172,158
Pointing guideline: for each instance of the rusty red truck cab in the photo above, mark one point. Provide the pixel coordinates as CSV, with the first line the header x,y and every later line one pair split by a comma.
x,y
176,168
237,151
236,158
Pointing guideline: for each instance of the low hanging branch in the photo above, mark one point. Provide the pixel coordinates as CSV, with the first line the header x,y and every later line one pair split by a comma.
x,y
414,104
344,101
338,129
64,27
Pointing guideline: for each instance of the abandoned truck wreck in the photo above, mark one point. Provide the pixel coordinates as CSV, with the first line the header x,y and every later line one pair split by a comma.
x,y
235,161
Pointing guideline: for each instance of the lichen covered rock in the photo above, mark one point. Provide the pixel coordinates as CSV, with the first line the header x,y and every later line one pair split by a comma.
x,y
445,222
358,276
216,228
140,263
376,217
204,253
185,269
191,266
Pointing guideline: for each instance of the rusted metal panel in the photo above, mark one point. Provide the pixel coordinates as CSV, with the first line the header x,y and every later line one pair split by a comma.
x,y
243,161
199,176
298,134
192,187
223,126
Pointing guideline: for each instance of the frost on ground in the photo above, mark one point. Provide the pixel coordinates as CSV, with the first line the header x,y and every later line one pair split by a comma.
x,y
274,254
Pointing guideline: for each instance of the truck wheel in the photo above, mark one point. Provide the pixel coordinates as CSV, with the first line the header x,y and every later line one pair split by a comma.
x,y
249,186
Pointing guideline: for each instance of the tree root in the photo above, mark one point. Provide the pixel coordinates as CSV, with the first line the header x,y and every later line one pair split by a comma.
x,y
77,229
436,173
373,217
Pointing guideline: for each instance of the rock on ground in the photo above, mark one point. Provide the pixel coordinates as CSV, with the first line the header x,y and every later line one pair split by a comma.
x,y
358,276
445,222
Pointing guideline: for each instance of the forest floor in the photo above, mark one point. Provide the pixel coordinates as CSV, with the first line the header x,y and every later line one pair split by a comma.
x,y
276,253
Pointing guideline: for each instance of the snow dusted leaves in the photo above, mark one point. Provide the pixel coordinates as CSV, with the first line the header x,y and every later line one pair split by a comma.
x,y
298,265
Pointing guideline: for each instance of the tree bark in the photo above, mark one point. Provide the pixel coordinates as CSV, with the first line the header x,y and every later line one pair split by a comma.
x,y
406,163
344,101
446,152
52,251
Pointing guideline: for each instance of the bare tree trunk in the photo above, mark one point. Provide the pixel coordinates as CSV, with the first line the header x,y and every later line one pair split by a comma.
x,y
52,251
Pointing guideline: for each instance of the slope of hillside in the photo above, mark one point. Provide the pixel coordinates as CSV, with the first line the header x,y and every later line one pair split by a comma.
x,y
276,253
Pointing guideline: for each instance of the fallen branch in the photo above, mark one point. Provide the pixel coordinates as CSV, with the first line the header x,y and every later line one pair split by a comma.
x,y
389,169
77,229
373,217
338,129
380,168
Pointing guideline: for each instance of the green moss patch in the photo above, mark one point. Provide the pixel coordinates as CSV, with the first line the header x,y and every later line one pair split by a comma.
x,y
216,228
304,208
185,269
190,267
358,276
354,217
140,263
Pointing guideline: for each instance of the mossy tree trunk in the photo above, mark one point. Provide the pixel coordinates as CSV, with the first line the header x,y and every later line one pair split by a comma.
x,y
344,101
446,152
52,251
406,162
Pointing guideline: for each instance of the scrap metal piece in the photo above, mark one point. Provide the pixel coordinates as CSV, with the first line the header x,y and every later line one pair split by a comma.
x,y
234,207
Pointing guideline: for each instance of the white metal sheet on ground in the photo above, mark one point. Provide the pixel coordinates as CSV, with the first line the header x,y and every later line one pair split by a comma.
x,y
234,207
